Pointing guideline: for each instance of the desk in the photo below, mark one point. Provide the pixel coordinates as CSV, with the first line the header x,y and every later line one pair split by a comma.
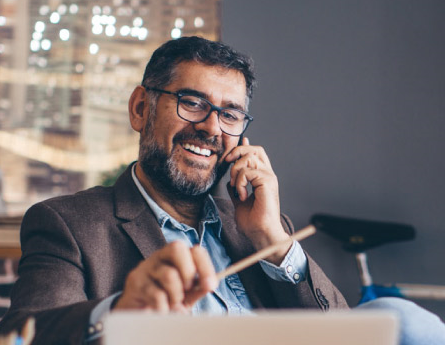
x,y
10,237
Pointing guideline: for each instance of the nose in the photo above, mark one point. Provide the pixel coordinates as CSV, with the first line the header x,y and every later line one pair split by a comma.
x,y
210,125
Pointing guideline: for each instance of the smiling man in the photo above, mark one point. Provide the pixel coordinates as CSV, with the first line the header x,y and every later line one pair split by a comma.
x,y
156,238
191,113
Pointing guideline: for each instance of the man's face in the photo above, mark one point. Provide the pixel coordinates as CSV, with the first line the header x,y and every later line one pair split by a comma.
x,y
167,155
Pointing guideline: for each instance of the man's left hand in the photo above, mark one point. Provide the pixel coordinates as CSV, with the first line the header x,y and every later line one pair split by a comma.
x,y
258,214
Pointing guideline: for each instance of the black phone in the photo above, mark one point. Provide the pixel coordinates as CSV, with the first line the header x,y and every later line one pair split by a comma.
x,y
240,142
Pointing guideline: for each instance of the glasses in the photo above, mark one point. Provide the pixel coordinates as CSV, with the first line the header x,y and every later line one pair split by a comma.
x,y
196,109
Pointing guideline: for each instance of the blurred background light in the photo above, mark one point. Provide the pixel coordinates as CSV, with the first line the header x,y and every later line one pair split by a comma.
x,y
42,62
46,44
106,10
64,34
37,36
134,31
62,9
176,33
34,45
110,30
97,29
94,48
79,68
104,19
44,10
54,18
74,8
125,30
97,10
143,33
199,22
96,20
138,21
111,20
40,26
179,23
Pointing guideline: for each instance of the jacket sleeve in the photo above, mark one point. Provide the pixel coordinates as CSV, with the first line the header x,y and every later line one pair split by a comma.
x,y
51,284
317,291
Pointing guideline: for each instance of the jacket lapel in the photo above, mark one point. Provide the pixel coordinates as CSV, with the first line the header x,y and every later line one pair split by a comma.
x,y
238,247
138,221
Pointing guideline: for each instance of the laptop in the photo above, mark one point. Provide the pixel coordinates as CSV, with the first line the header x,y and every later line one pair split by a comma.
x,y
265,328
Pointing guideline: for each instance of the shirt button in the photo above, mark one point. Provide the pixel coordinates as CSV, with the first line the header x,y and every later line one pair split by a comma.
x,y
91,330
296,276
99,327
289,268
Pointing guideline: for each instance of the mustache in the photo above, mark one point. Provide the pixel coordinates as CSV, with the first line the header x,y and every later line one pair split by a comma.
x,y
199,137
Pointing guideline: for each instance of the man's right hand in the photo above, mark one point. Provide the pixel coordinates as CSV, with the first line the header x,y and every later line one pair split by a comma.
x,y
171,279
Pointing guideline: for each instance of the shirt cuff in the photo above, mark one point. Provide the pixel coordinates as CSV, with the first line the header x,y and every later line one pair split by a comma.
x,y
292,269
95,327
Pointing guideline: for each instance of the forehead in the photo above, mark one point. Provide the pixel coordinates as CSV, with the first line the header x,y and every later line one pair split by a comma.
x,y
219,84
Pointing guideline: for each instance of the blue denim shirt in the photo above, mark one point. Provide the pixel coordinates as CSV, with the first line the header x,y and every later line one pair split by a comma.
x,y
230,296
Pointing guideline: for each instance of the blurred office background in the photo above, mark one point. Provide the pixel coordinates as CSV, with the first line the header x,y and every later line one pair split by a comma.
x,y
67,69
349,106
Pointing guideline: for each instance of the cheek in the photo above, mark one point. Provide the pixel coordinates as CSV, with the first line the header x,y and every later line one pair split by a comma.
x,y
229,144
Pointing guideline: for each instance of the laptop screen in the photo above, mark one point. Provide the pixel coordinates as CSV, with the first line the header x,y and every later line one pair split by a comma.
x,y
277,327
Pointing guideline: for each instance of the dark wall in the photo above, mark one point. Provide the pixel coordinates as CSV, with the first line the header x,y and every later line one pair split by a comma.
x,y
350,107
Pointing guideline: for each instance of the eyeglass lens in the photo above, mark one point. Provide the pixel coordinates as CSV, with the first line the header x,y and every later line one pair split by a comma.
x,y
195,109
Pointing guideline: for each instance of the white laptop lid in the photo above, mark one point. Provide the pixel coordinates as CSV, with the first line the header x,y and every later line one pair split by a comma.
x,y
277,328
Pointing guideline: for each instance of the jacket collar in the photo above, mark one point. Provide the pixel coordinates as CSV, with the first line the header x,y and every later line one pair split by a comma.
x,y
138,220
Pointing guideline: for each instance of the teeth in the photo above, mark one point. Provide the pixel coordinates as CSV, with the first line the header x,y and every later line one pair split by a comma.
x,y
197,150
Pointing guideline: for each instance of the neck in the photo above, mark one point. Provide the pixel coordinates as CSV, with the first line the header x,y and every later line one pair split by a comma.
x,y
185,209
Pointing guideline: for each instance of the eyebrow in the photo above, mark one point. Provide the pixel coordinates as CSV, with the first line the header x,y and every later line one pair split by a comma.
x,y
193,92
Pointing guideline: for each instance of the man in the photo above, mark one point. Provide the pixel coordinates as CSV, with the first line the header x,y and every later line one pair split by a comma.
x,y
155,239
79,250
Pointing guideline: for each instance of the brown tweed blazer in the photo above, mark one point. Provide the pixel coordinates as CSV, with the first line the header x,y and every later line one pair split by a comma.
x,y
78,249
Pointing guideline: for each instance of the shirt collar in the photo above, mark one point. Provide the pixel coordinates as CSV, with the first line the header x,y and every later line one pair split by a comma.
x,y
210,214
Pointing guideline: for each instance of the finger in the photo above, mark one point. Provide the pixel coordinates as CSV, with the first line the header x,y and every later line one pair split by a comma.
x,y
241,182
243,150
168,278
157,298
249,161
206,276
256,178
205,269
178,255
246,141
135,294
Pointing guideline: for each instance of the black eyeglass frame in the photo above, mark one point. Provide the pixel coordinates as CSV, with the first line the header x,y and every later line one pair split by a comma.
x,y
212,108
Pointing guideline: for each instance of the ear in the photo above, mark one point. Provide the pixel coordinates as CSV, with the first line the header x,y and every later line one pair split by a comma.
x,y
137,108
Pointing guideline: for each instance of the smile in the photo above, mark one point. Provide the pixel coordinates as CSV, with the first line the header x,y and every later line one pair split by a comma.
x,y
197,150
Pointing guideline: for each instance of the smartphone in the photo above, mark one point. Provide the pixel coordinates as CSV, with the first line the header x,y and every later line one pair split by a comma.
x,y
240,142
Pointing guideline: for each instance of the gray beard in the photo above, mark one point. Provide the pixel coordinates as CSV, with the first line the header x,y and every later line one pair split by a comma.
x,y
162,168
